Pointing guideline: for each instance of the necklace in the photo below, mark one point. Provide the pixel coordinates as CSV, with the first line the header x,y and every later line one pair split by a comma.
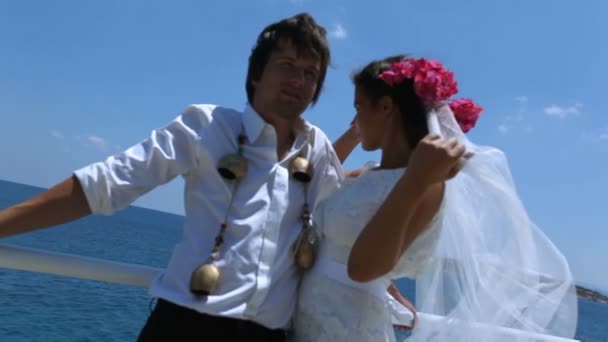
x,y
233,167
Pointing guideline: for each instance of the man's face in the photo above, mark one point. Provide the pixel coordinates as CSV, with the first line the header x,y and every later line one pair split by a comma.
x,y
288,83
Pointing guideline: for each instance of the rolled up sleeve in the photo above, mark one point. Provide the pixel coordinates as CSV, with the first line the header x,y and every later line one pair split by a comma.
x,y
331,174
170,151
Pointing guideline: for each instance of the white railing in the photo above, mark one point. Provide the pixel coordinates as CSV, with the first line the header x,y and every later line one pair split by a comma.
x,y
75,266
35,260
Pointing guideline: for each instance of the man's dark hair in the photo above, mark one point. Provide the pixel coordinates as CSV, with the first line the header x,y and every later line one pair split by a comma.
x,y
308,38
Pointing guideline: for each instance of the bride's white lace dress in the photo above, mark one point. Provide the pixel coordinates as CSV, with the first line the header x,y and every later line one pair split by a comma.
x,y
330,306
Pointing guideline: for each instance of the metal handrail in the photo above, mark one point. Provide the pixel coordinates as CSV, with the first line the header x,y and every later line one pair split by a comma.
x,y
76,266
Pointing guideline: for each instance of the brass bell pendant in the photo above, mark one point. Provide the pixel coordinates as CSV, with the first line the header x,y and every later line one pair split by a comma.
x,y
204,279
305,255
232,166
305,249
301,169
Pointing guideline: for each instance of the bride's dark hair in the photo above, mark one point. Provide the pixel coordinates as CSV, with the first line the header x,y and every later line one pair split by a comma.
x,y
413,110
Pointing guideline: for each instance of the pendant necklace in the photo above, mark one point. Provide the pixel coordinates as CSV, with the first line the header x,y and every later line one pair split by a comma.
x,y
233,167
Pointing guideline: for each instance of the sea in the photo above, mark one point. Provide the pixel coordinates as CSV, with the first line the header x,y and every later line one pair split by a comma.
x,y
42,307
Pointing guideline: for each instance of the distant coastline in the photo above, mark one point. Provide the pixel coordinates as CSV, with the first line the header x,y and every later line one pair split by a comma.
x,y
591,295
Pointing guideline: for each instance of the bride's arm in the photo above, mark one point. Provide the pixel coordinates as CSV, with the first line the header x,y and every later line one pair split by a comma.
x,y
407,210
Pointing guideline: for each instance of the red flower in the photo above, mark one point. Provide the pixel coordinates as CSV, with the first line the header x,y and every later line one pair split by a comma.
x,y
432,81
434,84
398,72
466,112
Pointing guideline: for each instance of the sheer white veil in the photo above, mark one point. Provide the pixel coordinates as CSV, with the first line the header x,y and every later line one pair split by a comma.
x,y
492,264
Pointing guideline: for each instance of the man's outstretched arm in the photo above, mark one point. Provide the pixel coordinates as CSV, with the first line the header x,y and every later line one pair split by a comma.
x,y
62,203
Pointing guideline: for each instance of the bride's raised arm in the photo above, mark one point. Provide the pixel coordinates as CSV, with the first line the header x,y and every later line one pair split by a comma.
x,y
407,210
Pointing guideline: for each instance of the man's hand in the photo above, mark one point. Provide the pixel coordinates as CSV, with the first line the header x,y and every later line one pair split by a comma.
x,y
354,173
396,294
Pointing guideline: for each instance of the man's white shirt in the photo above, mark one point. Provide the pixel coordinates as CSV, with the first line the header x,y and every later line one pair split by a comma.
x,y
259,279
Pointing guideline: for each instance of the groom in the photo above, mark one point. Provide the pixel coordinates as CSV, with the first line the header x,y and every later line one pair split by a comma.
x,y
255,223
252,225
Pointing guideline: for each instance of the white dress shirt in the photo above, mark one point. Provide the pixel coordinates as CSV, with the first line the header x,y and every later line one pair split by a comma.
x,y
259,278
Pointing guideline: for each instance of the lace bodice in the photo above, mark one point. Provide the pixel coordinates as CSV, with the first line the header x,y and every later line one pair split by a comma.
x,y
341,217
329,310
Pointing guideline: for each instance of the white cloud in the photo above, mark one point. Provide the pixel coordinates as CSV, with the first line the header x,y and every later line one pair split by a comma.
x,y
559,112
339,32
600,135
98,142
56,134
521,99
502,128
516,119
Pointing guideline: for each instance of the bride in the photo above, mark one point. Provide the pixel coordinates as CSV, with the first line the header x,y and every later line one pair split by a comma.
x,y
437,209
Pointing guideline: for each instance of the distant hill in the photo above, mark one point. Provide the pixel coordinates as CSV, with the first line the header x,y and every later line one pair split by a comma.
x,y
591,295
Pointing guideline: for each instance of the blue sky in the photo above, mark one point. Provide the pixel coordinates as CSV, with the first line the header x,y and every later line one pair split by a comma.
x,y
82,80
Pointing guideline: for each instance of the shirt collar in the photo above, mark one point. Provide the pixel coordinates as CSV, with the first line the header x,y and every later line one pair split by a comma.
x,y
253,122
254,126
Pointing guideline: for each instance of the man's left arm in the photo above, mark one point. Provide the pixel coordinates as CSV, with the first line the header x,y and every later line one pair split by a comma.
x,y
346,143
396,294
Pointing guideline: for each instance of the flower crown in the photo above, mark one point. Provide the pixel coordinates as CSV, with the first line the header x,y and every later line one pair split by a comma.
x,y
434,84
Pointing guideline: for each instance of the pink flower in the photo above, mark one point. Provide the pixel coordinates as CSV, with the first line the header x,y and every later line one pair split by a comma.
x,y
398,72
434,84
466,112
432,81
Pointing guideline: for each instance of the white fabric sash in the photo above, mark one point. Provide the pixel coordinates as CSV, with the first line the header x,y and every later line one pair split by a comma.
x,y
400,315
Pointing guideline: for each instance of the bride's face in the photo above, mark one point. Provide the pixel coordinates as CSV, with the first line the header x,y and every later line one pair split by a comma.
x,y
369,122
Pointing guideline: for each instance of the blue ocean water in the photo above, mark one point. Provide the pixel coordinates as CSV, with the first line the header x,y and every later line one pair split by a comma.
x,y
41,307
